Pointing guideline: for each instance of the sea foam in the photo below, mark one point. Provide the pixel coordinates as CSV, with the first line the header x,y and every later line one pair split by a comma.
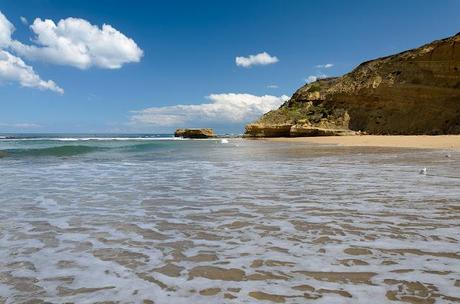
x,y
213,223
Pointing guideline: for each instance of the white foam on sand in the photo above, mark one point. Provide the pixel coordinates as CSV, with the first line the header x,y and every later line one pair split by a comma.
x,y
284,222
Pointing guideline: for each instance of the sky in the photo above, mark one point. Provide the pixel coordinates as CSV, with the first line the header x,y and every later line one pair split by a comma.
x,y
84,66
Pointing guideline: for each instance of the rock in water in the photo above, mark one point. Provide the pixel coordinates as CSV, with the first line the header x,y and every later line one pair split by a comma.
x,y
194,133
413,92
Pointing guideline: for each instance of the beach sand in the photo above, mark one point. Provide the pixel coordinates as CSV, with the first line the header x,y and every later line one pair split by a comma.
x,y
401,141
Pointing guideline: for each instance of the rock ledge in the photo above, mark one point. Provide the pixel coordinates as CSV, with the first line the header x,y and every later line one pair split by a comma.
x,y
194,133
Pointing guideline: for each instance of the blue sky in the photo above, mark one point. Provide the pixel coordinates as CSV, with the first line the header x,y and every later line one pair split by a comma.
x,y
184,53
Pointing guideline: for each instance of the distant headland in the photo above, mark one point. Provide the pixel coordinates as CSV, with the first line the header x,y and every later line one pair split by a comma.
x,y
411,93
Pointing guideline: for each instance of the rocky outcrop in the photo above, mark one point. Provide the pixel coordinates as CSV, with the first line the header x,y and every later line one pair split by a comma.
x,y
268,130
303,130
289,130
194,133
413,92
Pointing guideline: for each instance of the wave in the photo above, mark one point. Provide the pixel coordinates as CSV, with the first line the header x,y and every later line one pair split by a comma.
x,y
70,150
88,138
74,146
63,149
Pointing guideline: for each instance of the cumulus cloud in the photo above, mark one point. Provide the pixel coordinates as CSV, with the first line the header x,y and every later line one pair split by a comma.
x,y
222,108
324,66
13,69
78,43
259,59
313,78
6,29
72,41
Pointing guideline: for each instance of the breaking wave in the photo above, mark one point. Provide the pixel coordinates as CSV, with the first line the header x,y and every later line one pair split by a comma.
x,y
70,150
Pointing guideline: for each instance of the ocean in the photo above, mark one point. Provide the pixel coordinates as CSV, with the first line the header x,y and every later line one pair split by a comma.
x,y
153,219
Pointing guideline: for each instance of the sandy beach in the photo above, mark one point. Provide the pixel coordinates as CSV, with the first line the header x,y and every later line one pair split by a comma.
x,y
401,141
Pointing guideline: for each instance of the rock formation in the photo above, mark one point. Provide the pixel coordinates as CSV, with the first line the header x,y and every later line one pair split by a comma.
x,y
194,133
413,92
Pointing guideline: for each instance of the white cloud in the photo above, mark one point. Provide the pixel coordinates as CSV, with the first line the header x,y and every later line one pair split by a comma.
x,y
78,43
6,29
223,108
20,125
13,69
71,41
324,66
24,20
272,86
313,78
259,59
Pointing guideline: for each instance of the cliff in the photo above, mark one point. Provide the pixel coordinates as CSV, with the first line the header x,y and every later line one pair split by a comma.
x,y
413,92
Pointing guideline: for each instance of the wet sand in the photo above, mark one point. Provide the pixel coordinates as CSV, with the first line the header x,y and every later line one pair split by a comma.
x,y
401,141
246,222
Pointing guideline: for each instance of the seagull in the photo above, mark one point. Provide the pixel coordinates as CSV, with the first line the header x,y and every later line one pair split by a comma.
x,y
447,155
423,171
224,141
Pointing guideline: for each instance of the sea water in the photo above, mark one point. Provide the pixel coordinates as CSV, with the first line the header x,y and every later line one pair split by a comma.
x,y
153,219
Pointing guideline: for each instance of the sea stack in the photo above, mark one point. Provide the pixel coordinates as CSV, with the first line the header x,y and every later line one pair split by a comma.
x,y
410,93
195,133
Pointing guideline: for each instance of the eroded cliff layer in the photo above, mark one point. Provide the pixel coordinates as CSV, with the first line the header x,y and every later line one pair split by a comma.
x,y
413,92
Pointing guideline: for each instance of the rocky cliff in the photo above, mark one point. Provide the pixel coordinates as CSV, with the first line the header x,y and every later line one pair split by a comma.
x,y
413,92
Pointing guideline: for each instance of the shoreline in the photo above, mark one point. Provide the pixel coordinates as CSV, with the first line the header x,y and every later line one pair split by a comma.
x,y
393,141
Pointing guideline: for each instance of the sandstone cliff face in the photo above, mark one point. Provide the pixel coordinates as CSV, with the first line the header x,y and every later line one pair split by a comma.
x,y
413,92
194,133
